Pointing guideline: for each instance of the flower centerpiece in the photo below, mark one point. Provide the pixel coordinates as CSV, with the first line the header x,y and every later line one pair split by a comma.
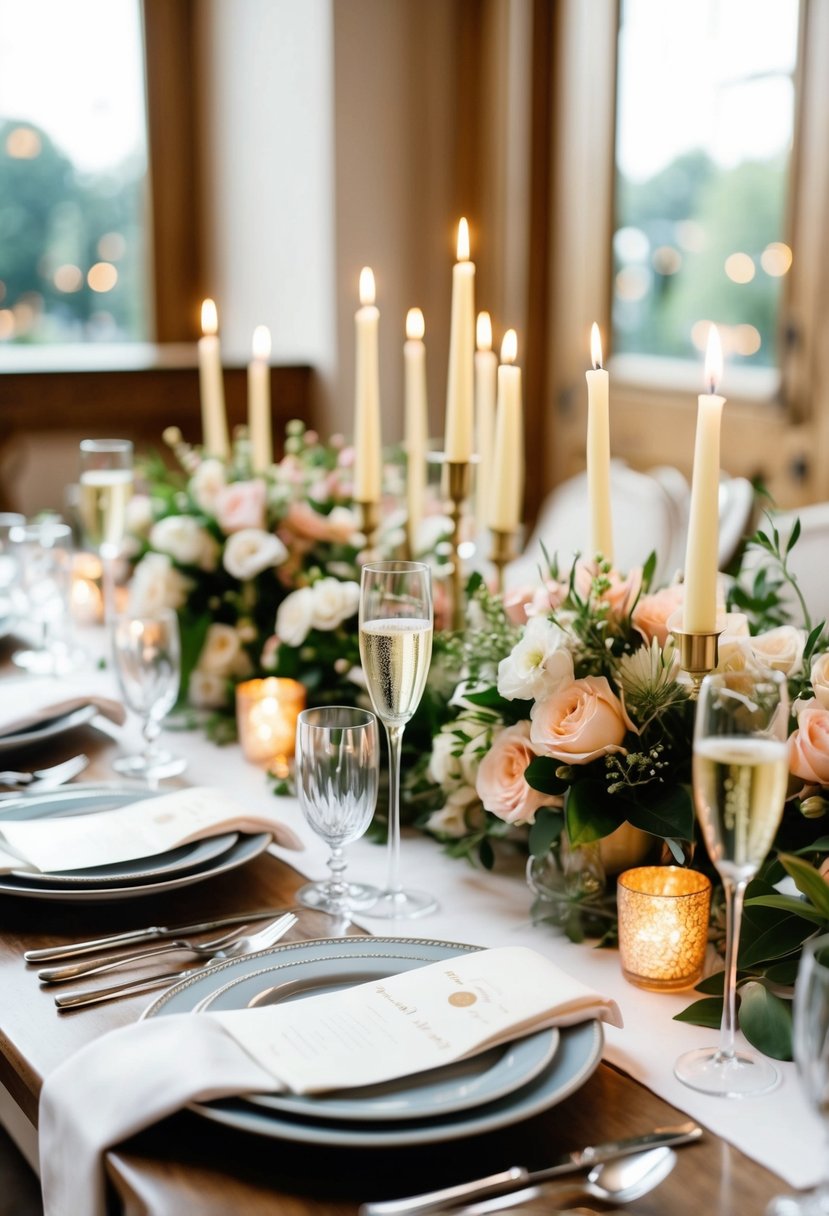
x,y
262,570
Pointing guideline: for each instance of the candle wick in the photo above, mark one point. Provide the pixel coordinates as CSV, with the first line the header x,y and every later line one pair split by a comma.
x,y
712,387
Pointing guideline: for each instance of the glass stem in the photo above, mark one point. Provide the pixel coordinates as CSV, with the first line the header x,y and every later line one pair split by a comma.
x,y
394,735
734,893
337,886
108,587
150,730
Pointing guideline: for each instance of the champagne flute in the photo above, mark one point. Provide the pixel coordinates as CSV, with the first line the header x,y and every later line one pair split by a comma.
x,y
147,656
105,490
740,775
811,1052
337,773
396,647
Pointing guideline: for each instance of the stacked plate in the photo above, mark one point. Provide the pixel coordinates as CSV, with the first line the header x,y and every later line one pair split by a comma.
x,y
190,863
489,1091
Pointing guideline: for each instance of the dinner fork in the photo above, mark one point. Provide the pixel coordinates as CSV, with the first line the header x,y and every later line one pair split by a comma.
x,y
245,945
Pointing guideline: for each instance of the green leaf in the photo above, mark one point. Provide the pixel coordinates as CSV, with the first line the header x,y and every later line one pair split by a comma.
x,y
474,581
712,985
486,853
669,813
811,643
795,536
545,831
707,1012
589,813
766,1021
540,774
808,881
648,570
784,973
817,846
790,904
768,934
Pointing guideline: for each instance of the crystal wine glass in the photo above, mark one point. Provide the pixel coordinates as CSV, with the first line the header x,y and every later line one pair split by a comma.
x,y
396,648
43,559
740,777
811,1051
105,490
147,657
9,520
337,773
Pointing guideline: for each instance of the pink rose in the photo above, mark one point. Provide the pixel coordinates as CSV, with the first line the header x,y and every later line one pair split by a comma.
x,y
652,612
241,505
501,785
620,595
516,603
309,524
809,746
580,722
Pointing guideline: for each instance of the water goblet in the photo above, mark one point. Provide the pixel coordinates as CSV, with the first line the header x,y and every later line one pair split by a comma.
x,y
147,658
811,1052
740,773
396,648
42,553
105,489
337,774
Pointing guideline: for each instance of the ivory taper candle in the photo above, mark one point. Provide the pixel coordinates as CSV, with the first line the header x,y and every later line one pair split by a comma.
x,y
211,385
702,553
416,422
486,370
508,455
259,401
460,382
598,452
367,452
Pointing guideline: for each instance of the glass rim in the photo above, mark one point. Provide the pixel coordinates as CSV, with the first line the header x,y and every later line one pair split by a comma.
x,y
368,718
702,887
33,529
160,614
106,445
767,675
396,566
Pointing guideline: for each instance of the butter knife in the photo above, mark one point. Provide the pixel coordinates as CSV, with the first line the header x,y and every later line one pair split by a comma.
x,y
518,1177
48,954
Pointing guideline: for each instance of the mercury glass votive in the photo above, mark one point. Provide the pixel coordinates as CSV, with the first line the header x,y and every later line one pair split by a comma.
x,y
266,715
663,926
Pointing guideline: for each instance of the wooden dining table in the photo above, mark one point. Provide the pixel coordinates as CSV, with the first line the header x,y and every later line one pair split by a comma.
x,y
189,1164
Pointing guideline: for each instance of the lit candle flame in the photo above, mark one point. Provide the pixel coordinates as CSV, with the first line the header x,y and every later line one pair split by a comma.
x,y
367,289
596,347
261,342
463,241
509,347
483,331
209,318
415,325
713,360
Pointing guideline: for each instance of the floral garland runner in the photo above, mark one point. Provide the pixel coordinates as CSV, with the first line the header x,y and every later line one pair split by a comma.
x,y
568,724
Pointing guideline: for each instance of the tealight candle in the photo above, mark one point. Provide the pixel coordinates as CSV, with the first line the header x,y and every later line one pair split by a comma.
x,y
266,716
86,599
663,926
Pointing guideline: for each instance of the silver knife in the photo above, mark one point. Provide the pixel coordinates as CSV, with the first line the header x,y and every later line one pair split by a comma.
x,y
518,1177
48,954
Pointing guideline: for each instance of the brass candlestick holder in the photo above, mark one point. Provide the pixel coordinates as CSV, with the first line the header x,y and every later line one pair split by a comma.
x,y
698,654
368,514
502,553
457,484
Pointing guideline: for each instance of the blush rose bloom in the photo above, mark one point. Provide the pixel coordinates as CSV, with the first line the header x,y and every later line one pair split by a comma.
x,y
207,483
250,551
501,784
652,613
809,746
156,584
241,505
820,679
338,526
206,690
781,648
580,723
220,651
620,595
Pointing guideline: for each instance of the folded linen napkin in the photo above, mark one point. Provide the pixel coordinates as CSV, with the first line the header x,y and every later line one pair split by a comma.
x,y
132,1077
12,722
139,829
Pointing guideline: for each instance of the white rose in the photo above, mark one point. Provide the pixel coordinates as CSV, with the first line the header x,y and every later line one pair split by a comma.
x,y
206,485
444,767
458,815
781,648
293,618
250,551
139,517
186,541
539,664
820,679
736,654
220,651
207,690
332,603
156,584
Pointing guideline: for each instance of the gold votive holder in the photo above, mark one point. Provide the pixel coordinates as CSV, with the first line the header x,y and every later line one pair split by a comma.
x,y
266,717
663,926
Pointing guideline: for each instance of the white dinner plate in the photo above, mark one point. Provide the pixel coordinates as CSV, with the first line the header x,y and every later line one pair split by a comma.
x,y
288,970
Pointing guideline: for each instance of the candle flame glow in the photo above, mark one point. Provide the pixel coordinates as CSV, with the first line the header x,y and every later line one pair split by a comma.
x,y
463,241
596,346
483,331
509,347
713,360
261,342
367,289
415,325
209,317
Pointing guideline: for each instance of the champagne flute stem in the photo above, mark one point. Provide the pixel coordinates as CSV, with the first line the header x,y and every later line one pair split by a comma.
x,y
394,734
150,730
108,586
734,894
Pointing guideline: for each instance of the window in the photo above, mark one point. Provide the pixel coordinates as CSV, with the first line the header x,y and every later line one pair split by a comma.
x,y
74,253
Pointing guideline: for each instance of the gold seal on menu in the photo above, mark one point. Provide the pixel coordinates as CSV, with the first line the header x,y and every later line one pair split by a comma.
x,y
462,998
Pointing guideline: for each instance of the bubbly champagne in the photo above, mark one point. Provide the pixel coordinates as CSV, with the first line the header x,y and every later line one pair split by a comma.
x,y
396,654
103,505
739,787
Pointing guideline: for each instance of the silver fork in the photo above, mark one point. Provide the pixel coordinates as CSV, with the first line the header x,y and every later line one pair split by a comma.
x,y
245,945
77,971
44,778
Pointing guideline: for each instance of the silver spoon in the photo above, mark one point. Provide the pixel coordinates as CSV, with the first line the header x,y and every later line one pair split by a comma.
x,y
619,1181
